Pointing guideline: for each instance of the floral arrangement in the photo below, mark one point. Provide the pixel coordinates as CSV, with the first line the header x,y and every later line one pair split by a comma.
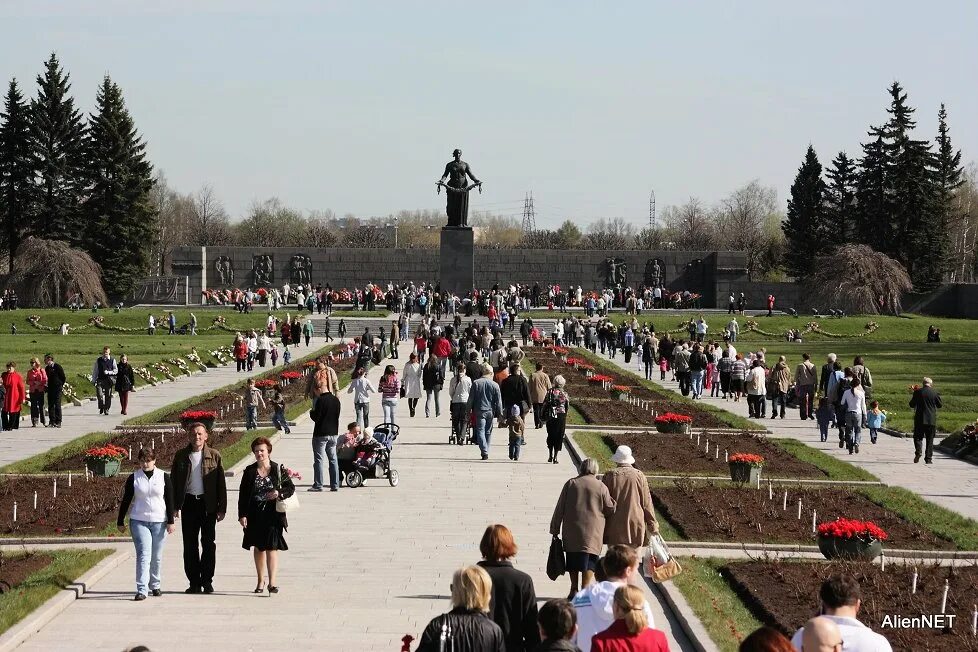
x,y
597,379
145,374
671,417
913,388
844,528
585,366
746,458
220,319
559,350
970,434
310,364
180,364
290,376
621,389
107,453
194,357
218,355
163,369
189,416
265,383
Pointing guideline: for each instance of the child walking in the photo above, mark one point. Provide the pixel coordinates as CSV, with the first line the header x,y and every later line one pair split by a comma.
x,y
875,420
253,399
824,415
278,404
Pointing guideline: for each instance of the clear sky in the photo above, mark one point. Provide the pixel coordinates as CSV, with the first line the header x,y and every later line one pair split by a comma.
x,y
356,106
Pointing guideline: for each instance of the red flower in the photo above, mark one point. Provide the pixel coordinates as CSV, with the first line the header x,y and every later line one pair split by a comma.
x,y
672,417
844,528
106,453
747,458
600,378
265,383
291,375
621,389
198,415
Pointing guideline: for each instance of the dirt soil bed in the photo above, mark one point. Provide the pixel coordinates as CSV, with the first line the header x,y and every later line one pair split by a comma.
x,y
661,453
85,508
14,570
708,512
579,388
612,412
785,594
165,445
293,393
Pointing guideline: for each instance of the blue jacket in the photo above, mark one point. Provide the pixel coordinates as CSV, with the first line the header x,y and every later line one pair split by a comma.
x,y
486,397
875,421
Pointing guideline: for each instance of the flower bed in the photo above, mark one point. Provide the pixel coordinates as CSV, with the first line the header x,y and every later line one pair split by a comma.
x,y
680,454
670,422
105,460
607,412
708,512
784,595
83,508
745,467
163,444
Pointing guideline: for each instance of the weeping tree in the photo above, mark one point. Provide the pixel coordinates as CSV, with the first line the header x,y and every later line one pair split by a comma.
x,y
48,273
858,279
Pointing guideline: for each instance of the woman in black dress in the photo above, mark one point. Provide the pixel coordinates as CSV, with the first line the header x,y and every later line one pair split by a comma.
x,y
125,381
263,484
555,406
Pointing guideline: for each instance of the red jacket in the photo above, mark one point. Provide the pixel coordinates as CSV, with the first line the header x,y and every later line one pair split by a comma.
x,y
241,349
617,639
15,392
443,347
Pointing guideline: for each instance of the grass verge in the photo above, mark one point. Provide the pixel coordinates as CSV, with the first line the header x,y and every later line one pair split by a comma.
x,y
714,602
962,531
65,567
732,420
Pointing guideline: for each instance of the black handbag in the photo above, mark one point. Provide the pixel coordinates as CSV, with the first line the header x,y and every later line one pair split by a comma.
x,y
556,563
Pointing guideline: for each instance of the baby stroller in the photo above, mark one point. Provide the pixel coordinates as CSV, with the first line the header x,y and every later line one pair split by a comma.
x,y
466,436
373,459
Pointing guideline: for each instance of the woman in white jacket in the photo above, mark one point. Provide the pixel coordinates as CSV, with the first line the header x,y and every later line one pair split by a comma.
x,y
458,389
854,405
411,377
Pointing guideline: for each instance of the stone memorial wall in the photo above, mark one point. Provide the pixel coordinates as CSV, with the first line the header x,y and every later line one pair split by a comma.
x,y
712,274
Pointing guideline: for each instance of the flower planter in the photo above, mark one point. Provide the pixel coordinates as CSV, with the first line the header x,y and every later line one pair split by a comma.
x,y
672,428
854,549
743,472
104,468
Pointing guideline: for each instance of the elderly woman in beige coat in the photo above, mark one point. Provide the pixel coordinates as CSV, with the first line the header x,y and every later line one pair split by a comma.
x,y
581,510
539,386
633,522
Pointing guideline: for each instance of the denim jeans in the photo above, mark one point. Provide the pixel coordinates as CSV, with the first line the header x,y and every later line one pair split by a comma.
x,y
334,464
363,414
853,428
318,454
697,382
483,431
251,417
514,447
388,405
148,539
427,402
278,420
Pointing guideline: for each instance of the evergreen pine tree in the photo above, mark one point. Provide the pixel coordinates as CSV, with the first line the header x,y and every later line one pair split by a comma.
x,y
805,222
57,142
840,200
910,190
872,225
119,217
947,176
16,171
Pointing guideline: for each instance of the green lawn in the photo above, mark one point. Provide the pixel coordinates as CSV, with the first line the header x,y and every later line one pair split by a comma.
x,y
66,566
714,602
76,352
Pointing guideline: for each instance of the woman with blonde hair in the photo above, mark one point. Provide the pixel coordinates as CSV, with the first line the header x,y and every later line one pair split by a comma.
x,y
631,630
467,627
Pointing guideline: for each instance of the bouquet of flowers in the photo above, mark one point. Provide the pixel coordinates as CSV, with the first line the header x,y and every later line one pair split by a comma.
x,y
844,528
107,453
746,458
291,375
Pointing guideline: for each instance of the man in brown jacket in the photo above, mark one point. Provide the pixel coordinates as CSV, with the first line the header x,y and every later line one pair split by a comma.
x,y
539,385
200,497
633,522
322,380
806,378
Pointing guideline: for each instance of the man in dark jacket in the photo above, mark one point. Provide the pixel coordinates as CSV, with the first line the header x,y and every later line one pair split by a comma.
x,y
697,370
326,415
558,623
925,402
56,383
201,499
473,368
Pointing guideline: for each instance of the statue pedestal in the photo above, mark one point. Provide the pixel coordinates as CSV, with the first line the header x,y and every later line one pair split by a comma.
x,y
457,265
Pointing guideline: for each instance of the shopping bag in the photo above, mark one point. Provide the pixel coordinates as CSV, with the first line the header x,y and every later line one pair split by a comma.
x,y
556,564
659,565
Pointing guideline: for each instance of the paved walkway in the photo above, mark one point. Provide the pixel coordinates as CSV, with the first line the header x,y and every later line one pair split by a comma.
x,y
16,445
365,566
949,482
